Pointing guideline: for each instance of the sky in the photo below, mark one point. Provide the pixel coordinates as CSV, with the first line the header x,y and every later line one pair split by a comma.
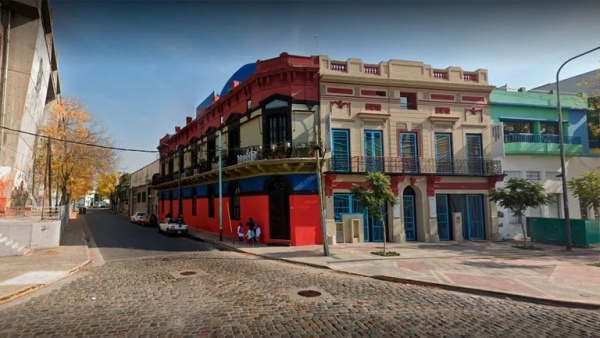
x,y
141,67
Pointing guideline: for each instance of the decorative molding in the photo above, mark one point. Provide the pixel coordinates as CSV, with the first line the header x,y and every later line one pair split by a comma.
x,y
474,111
340,104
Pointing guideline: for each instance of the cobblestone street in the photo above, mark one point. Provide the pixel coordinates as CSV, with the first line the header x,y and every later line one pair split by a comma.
x,y
231,294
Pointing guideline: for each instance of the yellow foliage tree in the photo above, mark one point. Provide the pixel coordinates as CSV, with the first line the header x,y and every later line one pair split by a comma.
x,y
106,184
80,150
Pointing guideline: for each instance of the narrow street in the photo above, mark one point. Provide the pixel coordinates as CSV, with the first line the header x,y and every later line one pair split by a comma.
x,y
152,285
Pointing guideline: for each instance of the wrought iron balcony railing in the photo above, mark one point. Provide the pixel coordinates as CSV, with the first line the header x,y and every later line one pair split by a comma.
x,y
535,138
413,165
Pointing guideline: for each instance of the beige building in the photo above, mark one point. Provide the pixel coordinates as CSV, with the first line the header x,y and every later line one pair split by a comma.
x,y
29,89
143,197
426,128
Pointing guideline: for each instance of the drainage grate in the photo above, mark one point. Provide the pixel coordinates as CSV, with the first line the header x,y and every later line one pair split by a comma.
x,y
309,293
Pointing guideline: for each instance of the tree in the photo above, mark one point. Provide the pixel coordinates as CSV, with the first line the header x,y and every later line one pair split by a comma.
x,y
586,189
519,194
374,199
107,184
74,163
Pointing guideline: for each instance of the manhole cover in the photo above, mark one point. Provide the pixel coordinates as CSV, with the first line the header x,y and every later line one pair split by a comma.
x,y
188,273
309,293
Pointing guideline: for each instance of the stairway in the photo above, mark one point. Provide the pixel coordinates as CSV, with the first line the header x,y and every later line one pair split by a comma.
x,y
9,247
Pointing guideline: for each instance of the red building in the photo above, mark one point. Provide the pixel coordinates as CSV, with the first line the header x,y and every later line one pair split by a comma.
x,y
264,125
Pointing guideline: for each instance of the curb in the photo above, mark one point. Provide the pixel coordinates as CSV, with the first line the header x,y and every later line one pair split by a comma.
x,y
446,287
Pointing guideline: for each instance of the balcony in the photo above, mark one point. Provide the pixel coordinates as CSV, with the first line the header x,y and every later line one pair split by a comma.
x,y
534,144
247,161
415,166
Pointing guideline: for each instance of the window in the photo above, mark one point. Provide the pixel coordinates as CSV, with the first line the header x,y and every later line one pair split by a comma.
x,y
533,175
139,197
443,152
211,202
341,150
474,153
511,174
344,203
408,101
553,176
234,201
409,154
144,197
373,151
277,129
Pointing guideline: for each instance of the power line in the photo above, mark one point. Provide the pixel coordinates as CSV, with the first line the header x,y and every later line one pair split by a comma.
x,y
80,143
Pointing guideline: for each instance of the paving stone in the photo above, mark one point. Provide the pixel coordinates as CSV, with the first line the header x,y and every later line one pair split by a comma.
x,y
237,295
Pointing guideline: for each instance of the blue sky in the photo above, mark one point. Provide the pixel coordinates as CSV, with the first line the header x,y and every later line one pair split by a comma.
x,y
141,67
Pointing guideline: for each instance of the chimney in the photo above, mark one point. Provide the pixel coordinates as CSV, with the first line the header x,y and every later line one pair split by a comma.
x,y
215,98
234,84
188,120
177,129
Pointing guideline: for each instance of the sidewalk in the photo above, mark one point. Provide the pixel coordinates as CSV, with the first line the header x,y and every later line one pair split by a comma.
x,y
550,276
22,274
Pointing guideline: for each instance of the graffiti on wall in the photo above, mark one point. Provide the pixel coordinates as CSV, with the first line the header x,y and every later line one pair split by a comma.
x,y
13,188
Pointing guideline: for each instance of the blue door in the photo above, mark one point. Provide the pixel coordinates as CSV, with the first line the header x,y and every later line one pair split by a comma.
x,y
409,217
474,153
443,217
475,217
340,152
373,151
443,153
409,152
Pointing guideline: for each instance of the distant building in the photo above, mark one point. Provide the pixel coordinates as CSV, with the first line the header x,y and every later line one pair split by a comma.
x,y
29,87
143,196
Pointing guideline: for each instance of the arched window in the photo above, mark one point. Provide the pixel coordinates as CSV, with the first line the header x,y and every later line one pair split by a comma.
x,y
211,202
234,201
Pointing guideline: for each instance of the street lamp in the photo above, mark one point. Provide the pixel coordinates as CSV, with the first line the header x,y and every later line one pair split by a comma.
x,y
179,158
561,143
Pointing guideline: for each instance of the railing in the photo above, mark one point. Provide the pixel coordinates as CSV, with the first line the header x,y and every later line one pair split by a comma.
x,y
440,75
338,67
244,155
535,138
413,165
371,69
470,77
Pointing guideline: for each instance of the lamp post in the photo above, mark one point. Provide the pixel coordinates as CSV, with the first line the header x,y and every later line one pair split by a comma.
x,y
220,186
180,158
561,143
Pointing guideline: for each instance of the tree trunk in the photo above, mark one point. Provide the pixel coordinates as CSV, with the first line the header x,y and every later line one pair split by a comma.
x,y
524,235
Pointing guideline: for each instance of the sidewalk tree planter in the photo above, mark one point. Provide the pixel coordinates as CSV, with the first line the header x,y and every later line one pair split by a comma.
x,y
379,195
519,194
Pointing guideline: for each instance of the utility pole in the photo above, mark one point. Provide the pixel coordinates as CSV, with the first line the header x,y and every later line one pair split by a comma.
x,y
220,187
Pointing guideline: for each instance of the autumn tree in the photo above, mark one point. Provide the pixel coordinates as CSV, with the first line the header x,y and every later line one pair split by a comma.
x,y
586,189
519,194
107,184
376,198
79,150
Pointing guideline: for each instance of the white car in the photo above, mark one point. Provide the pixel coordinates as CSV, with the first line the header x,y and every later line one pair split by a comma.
x,y
172,226
136,217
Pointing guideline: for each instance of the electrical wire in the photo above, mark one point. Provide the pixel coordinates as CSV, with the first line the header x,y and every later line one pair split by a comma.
x,y
80,143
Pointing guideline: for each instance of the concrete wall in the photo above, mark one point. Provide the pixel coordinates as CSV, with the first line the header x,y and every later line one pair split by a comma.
x,y
35,235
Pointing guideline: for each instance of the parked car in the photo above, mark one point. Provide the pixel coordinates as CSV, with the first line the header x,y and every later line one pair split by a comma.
x,y
136,217
171,225
148,220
